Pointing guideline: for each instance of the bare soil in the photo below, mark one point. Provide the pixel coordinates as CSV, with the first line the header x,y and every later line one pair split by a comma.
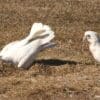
x,y
65,72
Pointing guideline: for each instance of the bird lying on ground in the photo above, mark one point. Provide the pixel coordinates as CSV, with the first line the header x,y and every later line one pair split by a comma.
x,y
23,52
94,43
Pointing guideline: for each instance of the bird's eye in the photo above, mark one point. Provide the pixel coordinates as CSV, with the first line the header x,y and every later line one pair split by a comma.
x,y
88,36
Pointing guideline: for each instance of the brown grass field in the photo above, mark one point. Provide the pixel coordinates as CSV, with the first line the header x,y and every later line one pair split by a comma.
x,y
65,72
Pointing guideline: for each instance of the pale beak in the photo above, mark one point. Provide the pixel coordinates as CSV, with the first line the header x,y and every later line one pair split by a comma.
x,y
84,38
83,42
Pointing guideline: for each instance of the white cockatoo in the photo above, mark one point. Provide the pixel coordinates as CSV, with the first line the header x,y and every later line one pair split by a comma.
x,y
94,43
23,52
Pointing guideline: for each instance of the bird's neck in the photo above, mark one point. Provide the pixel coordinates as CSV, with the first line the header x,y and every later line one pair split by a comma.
x,y
95,43
93,46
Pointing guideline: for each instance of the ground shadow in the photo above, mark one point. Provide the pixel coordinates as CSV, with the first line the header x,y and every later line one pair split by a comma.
x,y
55,62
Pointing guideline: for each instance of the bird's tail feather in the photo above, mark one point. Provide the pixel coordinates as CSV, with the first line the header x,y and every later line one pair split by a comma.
x,y
48,38
48,45
37,30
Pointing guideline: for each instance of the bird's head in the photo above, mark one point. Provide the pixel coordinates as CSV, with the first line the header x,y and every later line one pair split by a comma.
x,y
91,37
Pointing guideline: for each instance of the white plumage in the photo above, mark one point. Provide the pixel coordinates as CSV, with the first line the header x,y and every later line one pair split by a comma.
x,y
94,43
24,52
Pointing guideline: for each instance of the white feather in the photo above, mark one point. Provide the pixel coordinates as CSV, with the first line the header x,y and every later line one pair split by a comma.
x,y
94,43
24,52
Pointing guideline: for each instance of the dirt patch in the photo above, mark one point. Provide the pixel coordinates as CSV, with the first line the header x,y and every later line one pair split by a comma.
x,y
66,72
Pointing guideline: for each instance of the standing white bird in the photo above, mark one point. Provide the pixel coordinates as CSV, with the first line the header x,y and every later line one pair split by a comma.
x,y
23,52
94,43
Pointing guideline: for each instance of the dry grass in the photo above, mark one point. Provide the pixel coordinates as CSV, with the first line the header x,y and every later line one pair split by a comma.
x,y
62,73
